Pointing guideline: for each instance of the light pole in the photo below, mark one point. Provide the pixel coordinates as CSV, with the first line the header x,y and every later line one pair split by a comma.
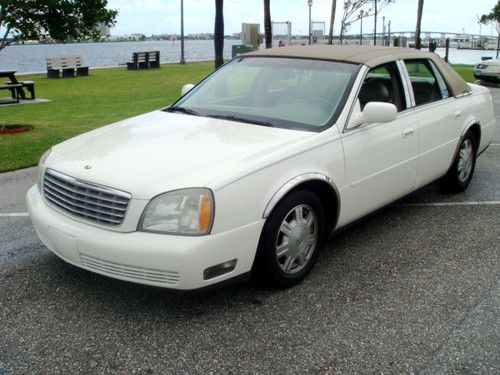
x,y
182,33
310,3
361,13
383,30
375,25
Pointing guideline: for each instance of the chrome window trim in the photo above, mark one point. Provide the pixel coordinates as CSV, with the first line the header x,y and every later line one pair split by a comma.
x,y
359,81
405,78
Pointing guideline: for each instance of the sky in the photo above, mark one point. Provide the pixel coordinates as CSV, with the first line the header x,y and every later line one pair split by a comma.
x,y
163,16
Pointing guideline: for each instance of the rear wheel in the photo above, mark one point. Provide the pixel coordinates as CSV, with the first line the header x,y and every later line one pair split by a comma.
x,y
291,239
460,174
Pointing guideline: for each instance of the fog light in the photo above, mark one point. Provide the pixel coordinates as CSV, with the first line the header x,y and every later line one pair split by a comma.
x,y
219,269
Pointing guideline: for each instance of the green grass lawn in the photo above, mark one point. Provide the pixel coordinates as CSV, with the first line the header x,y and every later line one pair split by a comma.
x,y
81,104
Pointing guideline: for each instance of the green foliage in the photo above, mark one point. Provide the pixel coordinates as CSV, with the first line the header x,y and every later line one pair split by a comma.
x,y
61,20
493,16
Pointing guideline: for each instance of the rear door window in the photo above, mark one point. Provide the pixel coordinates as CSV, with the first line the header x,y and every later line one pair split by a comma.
x,y
425,84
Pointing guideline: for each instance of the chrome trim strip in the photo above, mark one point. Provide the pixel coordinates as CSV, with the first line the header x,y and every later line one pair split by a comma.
x,y
282,191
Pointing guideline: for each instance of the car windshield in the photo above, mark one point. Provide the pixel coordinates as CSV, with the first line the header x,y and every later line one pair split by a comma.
x,y
279,92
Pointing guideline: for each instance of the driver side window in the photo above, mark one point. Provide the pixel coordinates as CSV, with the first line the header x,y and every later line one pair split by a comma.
x,y
383,84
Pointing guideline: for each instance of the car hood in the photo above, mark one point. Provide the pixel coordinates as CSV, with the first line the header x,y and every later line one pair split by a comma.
x,y
161,151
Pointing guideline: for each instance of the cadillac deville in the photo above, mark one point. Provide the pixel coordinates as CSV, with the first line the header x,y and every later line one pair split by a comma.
x,y
251,169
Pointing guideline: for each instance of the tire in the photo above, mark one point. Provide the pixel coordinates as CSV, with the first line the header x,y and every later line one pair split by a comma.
x,y
459,176
289,247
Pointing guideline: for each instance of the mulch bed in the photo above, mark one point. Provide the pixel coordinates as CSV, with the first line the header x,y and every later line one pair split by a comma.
x,y
14,129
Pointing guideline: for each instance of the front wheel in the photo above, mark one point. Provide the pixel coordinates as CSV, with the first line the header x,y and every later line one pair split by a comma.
x,y
291,239
460,174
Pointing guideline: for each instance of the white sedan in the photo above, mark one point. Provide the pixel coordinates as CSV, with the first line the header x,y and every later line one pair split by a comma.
x,y
488,70
251,170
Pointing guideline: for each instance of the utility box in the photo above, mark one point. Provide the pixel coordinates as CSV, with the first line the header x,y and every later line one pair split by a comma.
x,y
250,34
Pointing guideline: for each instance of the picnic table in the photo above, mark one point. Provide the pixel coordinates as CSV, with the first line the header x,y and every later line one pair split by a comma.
x,y
16,87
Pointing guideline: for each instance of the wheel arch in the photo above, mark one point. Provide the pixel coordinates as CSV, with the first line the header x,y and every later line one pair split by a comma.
x,y
320,184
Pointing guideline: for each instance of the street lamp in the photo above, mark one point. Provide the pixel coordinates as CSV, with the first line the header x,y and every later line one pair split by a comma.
x,y
310,3
361,14
182,33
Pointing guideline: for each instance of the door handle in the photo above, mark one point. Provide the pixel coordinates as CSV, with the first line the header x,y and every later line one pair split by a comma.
x,y
408,132
458,114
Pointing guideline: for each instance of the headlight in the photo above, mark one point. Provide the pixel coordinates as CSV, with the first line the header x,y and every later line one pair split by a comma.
x,y
185,212
41,167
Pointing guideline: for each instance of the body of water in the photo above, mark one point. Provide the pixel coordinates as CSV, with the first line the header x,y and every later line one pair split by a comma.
x,y
31,58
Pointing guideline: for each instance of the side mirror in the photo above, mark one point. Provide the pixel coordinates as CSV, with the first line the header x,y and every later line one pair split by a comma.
x,y
375,112
186,88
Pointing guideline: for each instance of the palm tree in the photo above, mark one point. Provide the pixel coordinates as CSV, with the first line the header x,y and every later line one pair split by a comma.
x,y
332,18
419,22
268,32
219,33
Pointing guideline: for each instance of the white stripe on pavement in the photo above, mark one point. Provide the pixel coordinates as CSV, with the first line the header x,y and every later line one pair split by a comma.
x,y
440,204
14,214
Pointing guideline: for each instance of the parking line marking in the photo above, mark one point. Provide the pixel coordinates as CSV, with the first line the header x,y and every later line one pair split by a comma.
x,y
441,204
14,214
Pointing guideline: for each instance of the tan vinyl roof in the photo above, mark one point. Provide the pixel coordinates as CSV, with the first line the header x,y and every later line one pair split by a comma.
x,y
369,56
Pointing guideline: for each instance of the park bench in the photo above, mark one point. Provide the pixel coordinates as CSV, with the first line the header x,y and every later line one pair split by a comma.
x,y
66,64
16,87
144,60
29,85
13,87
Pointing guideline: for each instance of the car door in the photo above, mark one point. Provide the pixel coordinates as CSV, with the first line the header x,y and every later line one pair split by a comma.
x,y
380,158
438,115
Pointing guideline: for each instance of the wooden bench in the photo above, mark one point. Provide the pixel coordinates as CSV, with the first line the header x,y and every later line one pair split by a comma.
x,y
154,59
13,87
144,60
68,65
29,85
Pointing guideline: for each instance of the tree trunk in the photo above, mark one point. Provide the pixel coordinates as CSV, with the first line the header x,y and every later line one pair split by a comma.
x,y
219,33
419,22
268,32
332,19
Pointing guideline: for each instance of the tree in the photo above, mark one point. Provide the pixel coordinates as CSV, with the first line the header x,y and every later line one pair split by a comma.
x,y
332,19
219,33
268,32
351,12
420,9
60,20
494,17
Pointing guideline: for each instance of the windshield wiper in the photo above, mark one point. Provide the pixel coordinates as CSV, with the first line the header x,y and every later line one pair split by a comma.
x,y
242,119
187,111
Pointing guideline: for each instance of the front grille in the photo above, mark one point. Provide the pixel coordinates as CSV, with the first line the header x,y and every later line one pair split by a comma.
x,y
130,272
88,201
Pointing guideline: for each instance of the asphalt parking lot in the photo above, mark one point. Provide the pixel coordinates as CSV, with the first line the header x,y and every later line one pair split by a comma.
x,y
411,289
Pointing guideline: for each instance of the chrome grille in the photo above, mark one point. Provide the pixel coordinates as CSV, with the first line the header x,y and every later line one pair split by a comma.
x,y
91,202
130,272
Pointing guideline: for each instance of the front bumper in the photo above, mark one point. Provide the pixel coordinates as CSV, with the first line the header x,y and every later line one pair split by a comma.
x,y
168,261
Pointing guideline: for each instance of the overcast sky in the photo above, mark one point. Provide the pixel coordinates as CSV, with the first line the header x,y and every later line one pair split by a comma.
x,y
163,16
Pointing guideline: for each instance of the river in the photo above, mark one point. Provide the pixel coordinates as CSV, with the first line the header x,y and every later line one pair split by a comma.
x,y
31,57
